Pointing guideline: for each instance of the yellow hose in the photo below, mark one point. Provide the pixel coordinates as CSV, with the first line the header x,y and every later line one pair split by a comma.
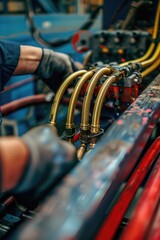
x,y
153,58
151,68
95,126
74,97
60,93
152,45
88,96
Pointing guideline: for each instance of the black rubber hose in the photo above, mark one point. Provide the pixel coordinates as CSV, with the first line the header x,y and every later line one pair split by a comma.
x,y
135,6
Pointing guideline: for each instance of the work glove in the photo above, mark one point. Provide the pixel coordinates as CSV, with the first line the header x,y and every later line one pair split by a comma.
x,y
50,160
54,68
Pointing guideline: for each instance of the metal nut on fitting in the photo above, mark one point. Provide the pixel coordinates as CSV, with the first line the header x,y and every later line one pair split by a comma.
x,y
118,75
95,129
138,67
81,150
127,71
112,69
53,123
84,126
137,77
135,66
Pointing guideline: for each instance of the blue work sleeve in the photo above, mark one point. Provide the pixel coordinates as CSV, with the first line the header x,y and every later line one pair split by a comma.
x,y
9,56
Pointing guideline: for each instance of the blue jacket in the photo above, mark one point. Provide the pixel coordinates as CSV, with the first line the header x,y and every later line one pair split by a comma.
x,y
9,56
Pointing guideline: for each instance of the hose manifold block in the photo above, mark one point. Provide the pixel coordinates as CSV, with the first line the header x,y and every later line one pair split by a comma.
x,y
118,75
127,70
135,66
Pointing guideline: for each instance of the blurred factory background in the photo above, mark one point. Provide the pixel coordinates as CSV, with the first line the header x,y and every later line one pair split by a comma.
x,y
118,43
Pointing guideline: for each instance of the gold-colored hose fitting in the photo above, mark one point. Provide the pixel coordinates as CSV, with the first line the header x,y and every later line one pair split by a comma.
x,y
68,134
95,128
60,92
93,144
74,97
84,127
81,151
88,96
70,125
70,140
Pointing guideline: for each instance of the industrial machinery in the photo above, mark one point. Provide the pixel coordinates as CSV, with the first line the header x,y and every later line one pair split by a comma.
x,y
113,192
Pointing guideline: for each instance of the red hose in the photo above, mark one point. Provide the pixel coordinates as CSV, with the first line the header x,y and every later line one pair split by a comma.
x,y
8,201
18,84
21,103
143,215
115,217
155,229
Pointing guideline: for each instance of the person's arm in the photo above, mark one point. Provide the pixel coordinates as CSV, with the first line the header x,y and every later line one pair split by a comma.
x,y
14,156
29,60
34,163
52,67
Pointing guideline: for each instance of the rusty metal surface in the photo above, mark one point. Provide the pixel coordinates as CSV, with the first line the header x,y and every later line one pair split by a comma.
x,y
77,207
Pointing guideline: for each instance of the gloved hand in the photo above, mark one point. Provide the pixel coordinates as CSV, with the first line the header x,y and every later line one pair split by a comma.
x,y
50,160
54,68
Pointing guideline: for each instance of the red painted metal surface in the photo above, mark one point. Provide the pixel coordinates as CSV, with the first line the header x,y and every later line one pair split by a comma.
x,y
125,94
155,229
143,215
114,218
